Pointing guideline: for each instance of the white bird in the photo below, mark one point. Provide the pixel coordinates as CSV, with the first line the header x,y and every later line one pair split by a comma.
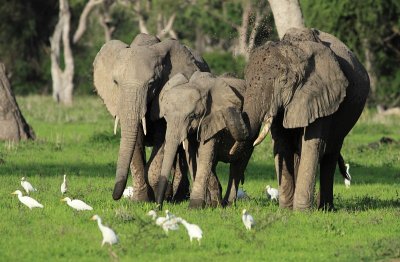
x,y
27,186
77,204
347,181
272,192
64,185
128,192
27,201
109,235
247,219
193,230
171,222
241,194
159,220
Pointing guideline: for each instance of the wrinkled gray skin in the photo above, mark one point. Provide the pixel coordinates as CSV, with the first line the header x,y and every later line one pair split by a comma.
x,y
128,77
205,111
315,89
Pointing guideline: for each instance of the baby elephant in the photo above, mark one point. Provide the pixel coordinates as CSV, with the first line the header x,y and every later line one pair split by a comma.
x,y
204,115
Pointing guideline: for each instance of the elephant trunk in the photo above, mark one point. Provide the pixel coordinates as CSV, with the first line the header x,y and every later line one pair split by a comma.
x,y
132,109
236,124
253,115
170,149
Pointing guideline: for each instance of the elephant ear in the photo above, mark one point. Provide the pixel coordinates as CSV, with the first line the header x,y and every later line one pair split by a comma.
x,y
223,101
321,89
103,80
157,111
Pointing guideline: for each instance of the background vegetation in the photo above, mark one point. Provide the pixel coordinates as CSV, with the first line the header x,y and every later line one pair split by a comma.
x,y
371,28
78,141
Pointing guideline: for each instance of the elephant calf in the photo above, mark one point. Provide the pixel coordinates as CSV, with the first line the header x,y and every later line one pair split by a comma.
x,y
203,114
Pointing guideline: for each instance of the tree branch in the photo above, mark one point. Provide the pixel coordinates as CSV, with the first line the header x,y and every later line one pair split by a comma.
x,y
83,19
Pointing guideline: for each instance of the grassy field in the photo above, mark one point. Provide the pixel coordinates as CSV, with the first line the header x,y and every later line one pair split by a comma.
x,y
78,141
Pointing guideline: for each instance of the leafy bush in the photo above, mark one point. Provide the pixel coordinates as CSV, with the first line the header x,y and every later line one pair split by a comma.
x,y
223,62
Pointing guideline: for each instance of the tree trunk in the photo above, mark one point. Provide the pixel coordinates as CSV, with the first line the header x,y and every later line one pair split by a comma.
x,y
62,79
12,123
242,32
287,14
369,61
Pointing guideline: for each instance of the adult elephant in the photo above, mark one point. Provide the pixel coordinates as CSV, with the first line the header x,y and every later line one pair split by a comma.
x,y
310,90
128,78
204,115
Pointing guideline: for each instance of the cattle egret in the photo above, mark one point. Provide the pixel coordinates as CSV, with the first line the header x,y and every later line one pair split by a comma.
x,y
247,219
347,181
77,204
159,220
193,230
241,194
272,192
64,185
171,222
128,192
109,235
27,201
27,186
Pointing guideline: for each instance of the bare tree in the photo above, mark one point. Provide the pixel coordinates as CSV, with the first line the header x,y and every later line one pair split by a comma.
x,y
62,79
287,14
13,125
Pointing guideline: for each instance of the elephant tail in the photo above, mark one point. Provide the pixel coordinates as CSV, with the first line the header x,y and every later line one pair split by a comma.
x,y
342,168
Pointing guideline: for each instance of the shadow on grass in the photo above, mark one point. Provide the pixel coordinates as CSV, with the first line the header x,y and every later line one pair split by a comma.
x,y
364,203
39,169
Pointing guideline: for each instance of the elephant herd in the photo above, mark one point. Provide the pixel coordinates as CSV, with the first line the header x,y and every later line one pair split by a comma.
x,y
308,90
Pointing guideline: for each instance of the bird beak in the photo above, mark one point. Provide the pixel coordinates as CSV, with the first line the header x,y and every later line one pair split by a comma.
x,y
13,193
62,200
92,218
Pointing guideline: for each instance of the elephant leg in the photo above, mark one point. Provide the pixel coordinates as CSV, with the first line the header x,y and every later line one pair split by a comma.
x,y
236,175
286,164
286,151
153,167
312,147
327,172
180,184
214,190
140,188
205,161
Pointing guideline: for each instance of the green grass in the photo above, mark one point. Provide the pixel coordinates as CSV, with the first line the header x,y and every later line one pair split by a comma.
x,y
78,141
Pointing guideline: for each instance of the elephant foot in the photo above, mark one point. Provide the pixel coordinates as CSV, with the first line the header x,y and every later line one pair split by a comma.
x,y
197,203
285,204
329,207
301,207
226,203
140,194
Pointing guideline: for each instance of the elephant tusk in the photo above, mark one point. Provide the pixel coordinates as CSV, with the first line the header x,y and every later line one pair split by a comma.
x,y
264,132
144,125
116,124
185,144
234,148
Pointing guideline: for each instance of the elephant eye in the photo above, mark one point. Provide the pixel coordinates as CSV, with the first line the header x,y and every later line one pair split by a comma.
x,y
115,82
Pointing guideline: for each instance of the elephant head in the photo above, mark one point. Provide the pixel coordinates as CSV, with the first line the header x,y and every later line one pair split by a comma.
x,y
199,107
128,77
298,76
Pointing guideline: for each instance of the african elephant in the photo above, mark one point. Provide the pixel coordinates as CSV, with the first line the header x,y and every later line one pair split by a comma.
x,y
204,115
310,90
128,78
